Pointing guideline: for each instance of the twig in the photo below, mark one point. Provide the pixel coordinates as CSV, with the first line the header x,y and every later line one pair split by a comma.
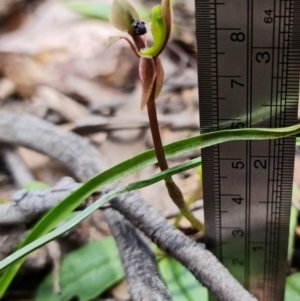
x,y
54,252
9,238
140,256
17,168
26,205
76,153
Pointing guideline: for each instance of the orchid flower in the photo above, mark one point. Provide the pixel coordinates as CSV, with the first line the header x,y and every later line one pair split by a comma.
x,y
124,17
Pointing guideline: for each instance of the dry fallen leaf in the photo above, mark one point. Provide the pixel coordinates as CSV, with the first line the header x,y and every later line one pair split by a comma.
x,y
64,105
7,88
25,72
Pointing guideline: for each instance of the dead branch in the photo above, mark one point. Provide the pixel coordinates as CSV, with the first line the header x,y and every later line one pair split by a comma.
x,y
143,256
9,238
20,173
26,205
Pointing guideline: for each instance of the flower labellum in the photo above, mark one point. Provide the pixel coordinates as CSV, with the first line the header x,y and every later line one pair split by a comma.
x,y
158,30
161,29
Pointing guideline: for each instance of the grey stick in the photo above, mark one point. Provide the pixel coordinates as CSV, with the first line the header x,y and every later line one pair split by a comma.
x,y
29,205
136,278
81,157
205,267
17,168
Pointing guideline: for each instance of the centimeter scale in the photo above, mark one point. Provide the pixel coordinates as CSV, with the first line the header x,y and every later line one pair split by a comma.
x,y
248,68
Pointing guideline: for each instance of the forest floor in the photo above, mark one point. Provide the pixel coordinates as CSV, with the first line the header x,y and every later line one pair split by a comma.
x,y
54,65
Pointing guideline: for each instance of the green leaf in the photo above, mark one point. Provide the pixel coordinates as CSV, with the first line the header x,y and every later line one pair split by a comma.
x,y
61,210
29,247
181,284
100,10
85,273
89,9
292,288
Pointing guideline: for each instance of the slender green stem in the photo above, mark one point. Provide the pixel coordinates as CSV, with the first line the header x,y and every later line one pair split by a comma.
x,y
189,202
198,193
174,191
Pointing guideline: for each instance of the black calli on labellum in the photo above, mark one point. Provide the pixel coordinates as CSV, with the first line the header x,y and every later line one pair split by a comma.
x,y
139,27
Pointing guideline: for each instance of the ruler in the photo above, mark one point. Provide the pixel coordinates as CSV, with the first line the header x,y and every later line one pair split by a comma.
x,y
248,73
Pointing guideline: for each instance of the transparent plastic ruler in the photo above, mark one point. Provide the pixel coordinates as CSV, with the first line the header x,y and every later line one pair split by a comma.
x,y
248,68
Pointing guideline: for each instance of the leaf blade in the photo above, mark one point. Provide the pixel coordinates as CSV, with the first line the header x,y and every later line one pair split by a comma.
x,y
181,284
292,290
85,273
59,212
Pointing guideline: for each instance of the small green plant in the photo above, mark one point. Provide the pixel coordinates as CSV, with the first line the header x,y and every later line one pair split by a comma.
x,y
124,17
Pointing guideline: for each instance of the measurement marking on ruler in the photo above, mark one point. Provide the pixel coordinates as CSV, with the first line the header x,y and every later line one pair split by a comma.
x,y
230,119
271,48
228,28
224,194
265,56
230,158
268,202
235,76
229,257
237,228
